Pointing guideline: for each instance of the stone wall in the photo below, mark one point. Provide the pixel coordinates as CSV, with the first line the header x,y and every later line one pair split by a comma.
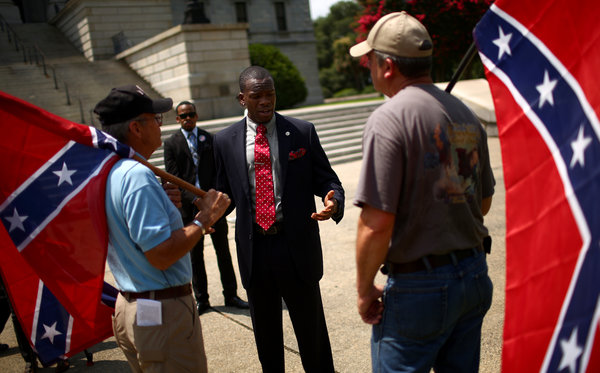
x,y
95,27
200,63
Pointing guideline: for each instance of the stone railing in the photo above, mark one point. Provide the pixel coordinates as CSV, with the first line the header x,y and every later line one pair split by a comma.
x,y
199,63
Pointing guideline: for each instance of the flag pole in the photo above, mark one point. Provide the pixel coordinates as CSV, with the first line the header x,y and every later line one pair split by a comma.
x,y
170,178
462,66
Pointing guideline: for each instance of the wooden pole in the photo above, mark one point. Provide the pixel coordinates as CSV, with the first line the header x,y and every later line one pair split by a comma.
x,y
170,178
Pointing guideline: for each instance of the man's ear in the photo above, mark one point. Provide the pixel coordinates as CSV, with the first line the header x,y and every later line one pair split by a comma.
x,y
388,68
135,129
241,99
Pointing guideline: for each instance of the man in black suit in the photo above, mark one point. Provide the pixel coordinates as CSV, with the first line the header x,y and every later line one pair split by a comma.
x,y
277,233
189,155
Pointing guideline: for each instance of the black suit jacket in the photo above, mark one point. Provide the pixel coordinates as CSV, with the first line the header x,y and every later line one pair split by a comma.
x,y
305,172
179,162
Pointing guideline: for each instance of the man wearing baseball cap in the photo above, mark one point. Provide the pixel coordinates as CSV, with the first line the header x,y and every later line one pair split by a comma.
x,y
156,323
425,185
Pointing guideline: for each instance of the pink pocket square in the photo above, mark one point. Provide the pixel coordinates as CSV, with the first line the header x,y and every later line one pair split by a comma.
x,y
297,154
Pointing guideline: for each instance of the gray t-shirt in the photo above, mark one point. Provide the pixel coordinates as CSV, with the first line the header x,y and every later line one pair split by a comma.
x,y
426,160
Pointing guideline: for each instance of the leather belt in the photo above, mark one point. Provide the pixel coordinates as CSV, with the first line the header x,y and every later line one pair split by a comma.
x,y
429,262
168,293
274,229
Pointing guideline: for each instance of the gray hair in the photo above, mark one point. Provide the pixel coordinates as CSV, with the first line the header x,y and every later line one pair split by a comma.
x,y
119,131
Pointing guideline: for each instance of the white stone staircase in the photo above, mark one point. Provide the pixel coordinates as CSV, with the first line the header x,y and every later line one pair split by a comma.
x,y
86,82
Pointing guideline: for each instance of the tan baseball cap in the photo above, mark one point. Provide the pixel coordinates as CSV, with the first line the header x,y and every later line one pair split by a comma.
x,y
398,34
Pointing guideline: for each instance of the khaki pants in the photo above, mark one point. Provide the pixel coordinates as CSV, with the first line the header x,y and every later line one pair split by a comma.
x,y
174,346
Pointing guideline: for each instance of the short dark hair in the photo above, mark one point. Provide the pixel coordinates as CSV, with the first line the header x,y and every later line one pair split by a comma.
x,y
253,72
183,103
411,67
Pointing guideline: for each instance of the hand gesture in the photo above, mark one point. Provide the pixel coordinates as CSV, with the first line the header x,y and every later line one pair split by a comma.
x,y
330,207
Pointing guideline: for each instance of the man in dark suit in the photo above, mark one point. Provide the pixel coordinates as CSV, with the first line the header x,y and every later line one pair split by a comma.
x,y
189,155
277,233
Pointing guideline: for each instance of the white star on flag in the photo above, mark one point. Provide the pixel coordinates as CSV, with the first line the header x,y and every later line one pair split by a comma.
x,y
579,147
51,332
503,43
16,221
545,89
64,175
112,141
571,352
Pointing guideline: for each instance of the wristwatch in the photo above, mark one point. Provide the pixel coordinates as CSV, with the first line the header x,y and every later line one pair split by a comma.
x,y
199,223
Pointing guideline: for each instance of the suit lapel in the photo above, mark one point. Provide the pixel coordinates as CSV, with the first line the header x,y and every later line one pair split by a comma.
x,y
238,156
284,140
183,143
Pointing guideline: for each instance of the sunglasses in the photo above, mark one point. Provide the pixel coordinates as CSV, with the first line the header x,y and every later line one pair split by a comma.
x,y
187,115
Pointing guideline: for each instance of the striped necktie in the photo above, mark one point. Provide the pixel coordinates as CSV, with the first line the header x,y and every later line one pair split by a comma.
x,y
193,139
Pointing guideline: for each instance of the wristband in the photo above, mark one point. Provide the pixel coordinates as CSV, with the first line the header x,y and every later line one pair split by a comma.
x,y
199,223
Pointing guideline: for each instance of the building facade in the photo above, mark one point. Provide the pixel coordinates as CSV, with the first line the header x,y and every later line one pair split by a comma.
x,y
104,29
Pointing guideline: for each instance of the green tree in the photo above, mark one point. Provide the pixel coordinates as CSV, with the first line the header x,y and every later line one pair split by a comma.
x,y
289,83
449,22
340,22
335,35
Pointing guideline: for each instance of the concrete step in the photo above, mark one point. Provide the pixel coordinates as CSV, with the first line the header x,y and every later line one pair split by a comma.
x,y
334,128
342,143
344,152
87,82
337,115
346,158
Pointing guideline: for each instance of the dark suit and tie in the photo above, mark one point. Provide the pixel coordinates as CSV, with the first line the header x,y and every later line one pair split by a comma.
x,y
189,155
281,259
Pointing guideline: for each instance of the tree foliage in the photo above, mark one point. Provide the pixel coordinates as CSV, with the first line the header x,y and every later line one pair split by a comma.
x,y
289,83
335,35
449,22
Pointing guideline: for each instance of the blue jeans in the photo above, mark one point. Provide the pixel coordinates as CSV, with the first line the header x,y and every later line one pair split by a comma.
x,y
433,319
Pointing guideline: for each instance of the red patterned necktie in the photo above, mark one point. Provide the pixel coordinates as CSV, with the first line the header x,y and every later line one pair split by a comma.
x,y
265,199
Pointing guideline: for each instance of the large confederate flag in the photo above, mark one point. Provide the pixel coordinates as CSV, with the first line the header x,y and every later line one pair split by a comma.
x,y
53,236
542,61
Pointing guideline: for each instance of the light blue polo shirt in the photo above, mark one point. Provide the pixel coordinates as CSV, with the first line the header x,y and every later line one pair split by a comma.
x,y
140,216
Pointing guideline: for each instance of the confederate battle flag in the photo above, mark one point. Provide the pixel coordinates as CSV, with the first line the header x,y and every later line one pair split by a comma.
x,y
542,60
53,236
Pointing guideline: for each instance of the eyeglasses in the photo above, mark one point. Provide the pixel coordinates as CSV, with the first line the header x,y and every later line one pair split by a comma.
x,y
158,118
187,115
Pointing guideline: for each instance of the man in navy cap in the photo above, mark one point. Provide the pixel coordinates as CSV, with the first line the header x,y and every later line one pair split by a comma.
x,y
156,323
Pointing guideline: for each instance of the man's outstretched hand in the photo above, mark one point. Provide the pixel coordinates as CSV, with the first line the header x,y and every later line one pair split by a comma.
x,y
330,207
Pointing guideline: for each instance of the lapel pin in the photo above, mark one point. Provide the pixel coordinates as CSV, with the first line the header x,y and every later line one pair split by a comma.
x,y
287,133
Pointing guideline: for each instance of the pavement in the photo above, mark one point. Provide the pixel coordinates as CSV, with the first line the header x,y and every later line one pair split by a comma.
x,y
228,337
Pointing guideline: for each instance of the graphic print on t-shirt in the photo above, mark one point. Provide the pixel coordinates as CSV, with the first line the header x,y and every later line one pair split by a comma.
x,y
457,158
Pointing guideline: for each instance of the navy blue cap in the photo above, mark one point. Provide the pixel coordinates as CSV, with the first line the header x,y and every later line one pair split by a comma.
x,y
127,102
